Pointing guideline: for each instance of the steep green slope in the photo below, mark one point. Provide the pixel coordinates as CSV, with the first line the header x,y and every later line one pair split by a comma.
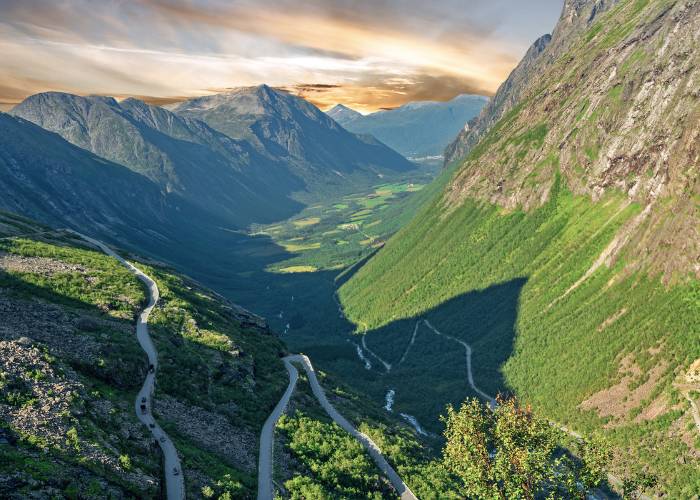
x,y
499,281
71,367
565,249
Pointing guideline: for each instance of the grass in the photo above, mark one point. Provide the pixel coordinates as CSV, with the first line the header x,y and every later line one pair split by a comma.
x,y
298,269
294,247
537,340
309,221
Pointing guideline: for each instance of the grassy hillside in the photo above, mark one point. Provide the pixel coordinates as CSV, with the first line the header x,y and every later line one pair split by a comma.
x,y
499,280
563,251
71,367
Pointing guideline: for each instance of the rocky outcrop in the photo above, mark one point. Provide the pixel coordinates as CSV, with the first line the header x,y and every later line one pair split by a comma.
x,y
576,16
507,95
211,431
43,403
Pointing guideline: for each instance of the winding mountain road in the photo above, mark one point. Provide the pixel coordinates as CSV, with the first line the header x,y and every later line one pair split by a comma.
x,y
265,489
468,354
410,343
387,366
695,411
267,436
174,481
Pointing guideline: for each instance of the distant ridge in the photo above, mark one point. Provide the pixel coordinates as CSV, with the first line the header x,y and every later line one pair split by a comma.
x,y
416,129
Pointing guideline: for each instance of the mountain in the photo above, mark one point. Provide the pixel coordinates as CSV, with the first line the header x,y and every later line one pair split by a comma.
x,y
182,156
343,114
577,16
507,95
564,248
49,179
417,129
285,127
44,177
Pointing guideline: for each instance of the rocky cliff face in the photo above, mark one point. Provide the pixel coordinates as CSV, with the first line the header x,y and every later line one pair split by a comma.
x,y
577,15
613,107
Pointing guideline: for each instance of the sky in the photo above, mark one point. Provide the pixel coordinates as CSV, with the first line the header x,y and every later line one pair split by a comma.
x,y
366,54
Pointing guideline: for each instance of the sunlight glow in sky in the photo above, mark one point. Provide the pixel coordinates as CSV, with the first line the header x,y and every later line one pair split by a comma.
x,y
366,54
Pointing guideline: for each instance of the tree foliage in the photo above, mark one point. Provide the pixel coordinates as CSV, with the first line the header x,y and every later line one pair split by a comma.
x,y
511,453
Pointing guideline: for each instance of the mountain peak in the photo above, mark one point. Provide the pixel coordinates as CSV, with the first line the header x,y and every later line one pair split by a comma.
x,y
280,124
342,114
264,88
341,107
64,97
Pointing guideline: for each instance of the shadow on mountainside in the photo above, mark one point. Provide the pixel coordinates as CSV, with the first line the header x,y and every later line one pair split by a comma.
x,y
433,370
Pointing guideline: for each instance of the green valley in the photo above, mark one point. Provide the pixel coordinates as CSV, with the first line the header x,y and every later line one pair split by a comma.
x,y
338,232
219,291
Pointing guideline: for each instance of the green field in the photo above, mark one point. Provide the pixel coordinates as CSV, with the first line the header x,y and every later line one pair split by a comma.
x,y
338,233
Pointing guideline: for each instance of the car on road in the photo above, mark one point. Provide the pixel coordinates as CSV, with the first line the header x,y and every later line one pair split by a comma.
x,y
143,408
175,471
162,439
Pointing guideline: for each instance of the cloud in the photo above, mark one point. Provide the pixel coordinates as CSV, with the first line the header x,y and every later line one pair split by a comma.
x,y
369,54
369,37
386,92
